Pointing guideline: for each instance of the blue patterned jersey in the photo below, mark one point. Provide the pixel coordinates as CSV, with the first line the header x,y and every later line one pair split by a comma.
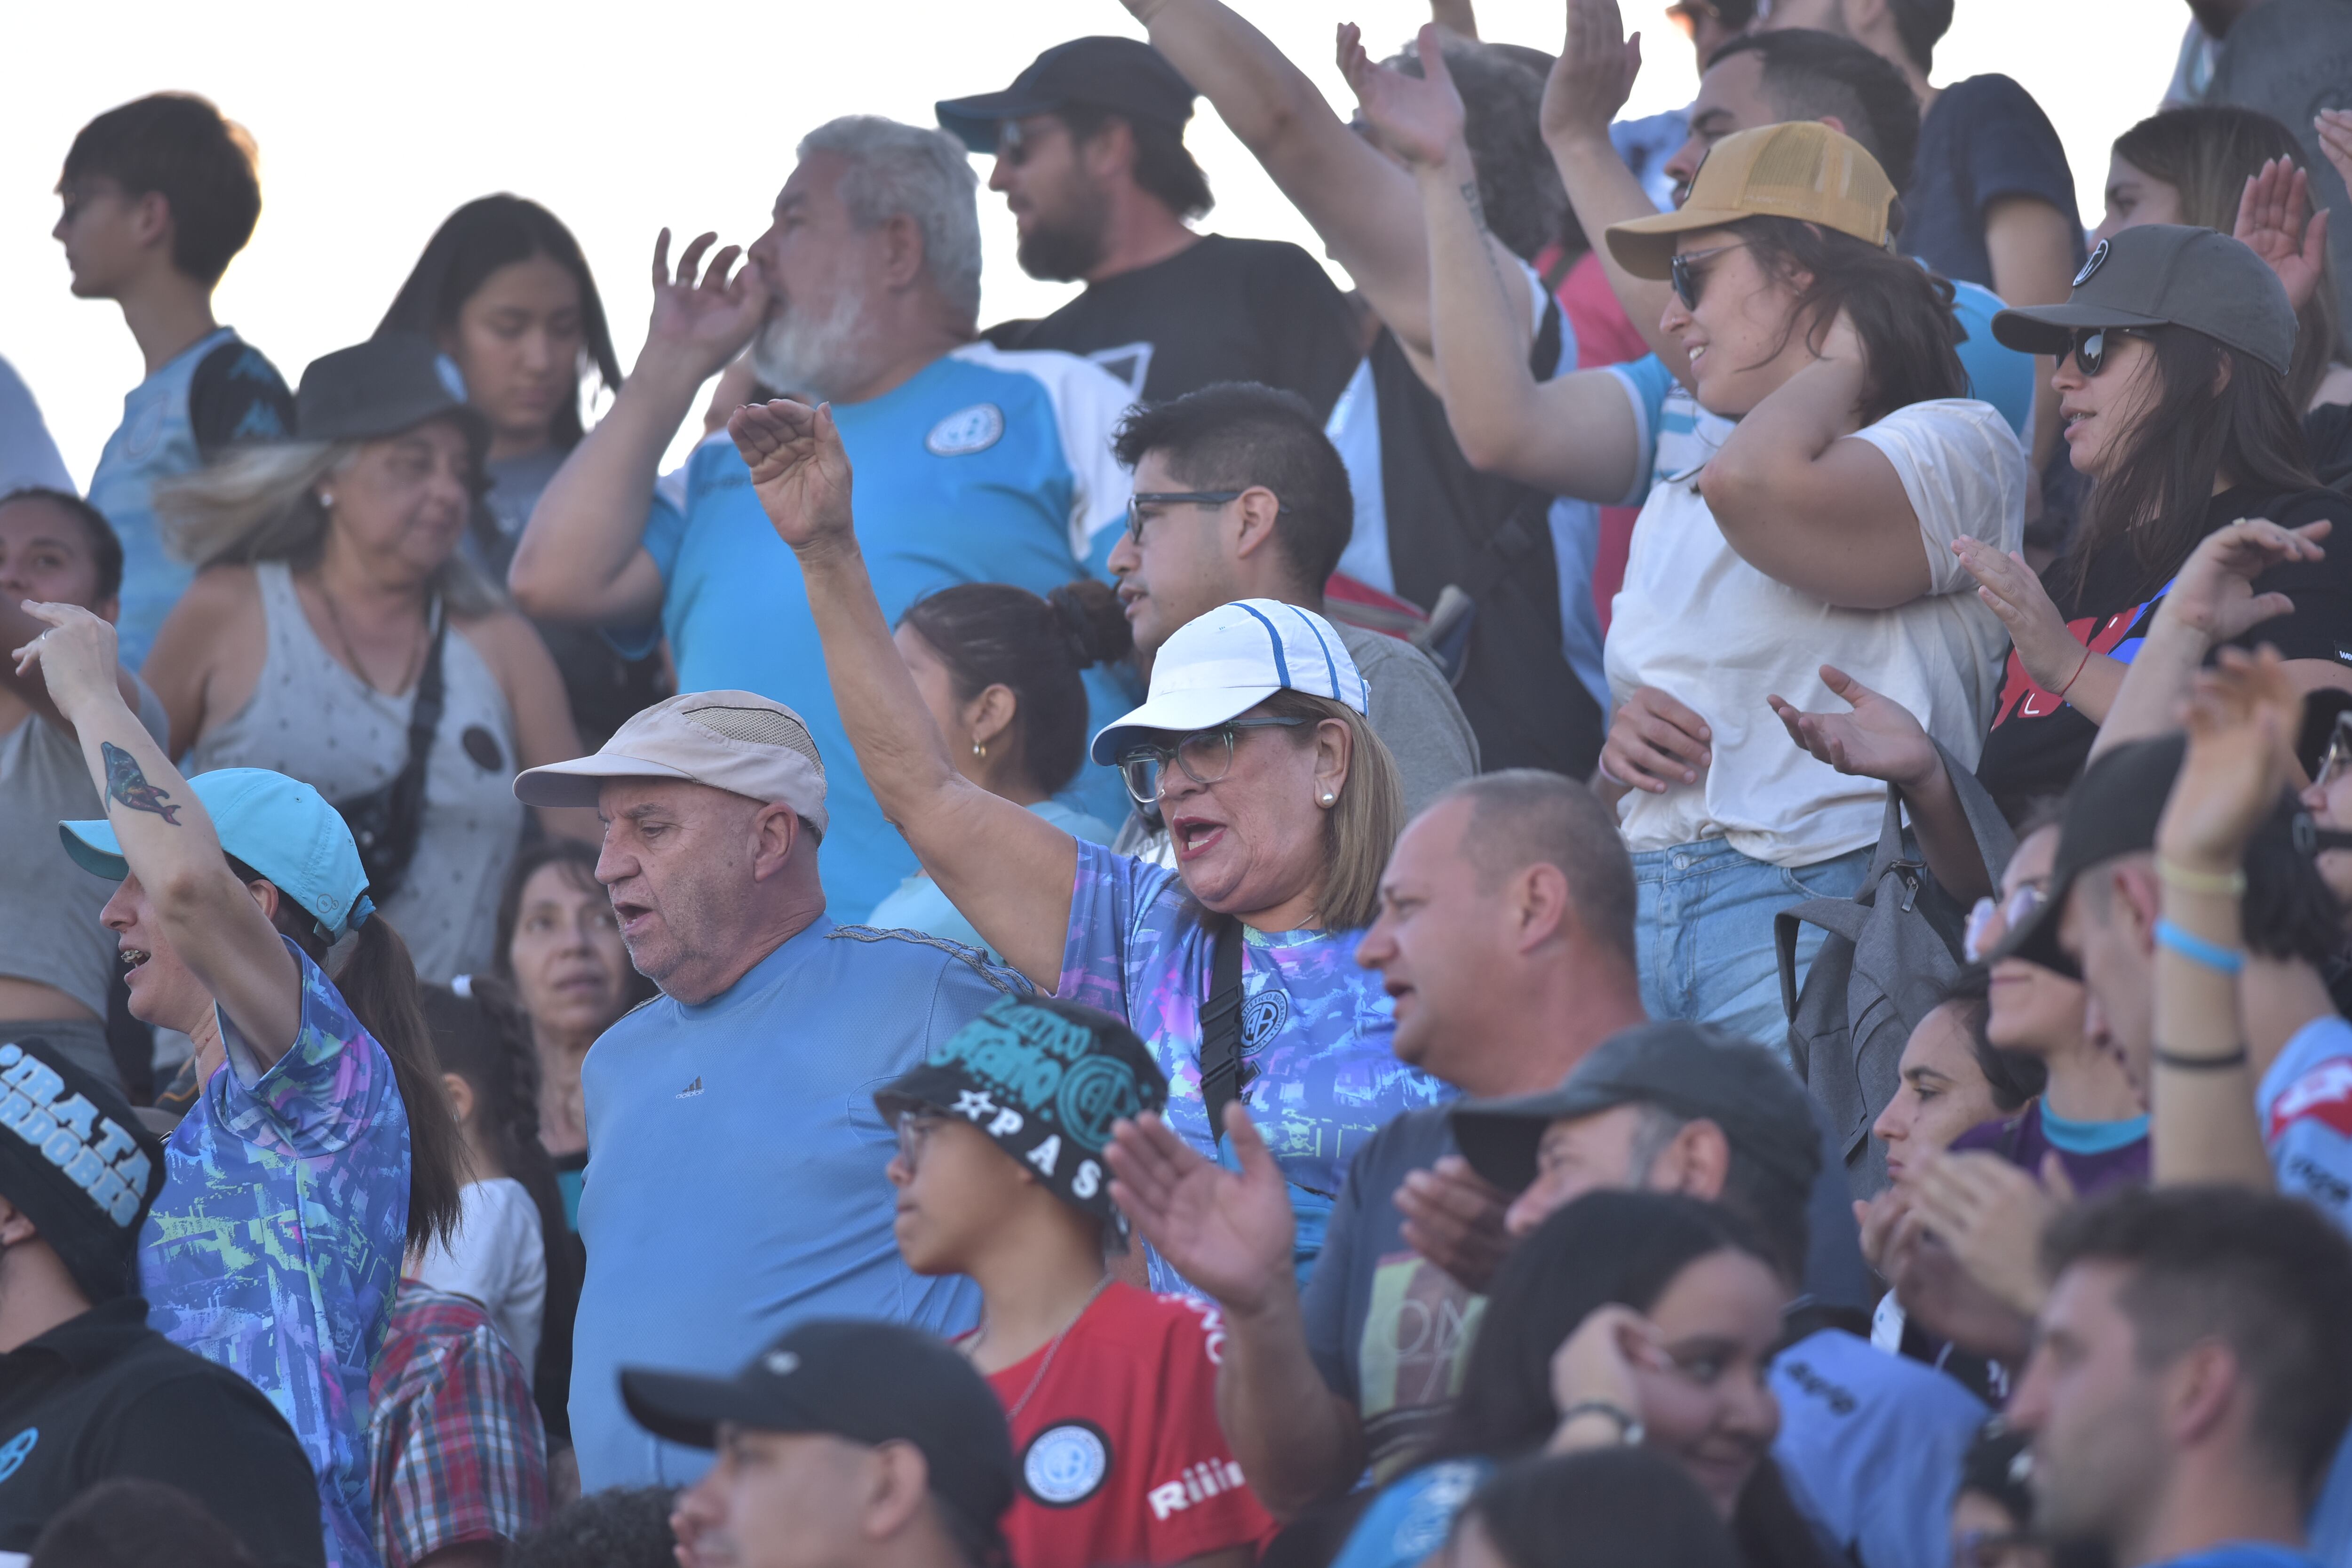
x,y
275,1246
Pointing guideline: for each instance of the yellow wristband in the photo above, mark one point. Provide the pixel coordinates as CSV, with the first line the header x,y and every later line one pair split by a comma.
x,y
2224,884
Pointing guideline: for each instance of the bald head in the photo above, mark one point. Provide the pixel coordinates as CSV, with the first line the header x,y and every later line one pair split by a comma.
x,y
1524,816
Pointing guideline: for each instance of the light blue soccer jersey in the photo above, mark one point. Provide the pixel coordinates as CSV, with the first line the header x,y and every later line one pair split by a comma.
x,y
160,439
985,467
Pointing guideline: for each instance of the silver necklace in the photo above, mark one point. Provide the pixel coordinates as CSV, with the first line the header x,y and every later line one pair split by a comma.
x,y
1051,1350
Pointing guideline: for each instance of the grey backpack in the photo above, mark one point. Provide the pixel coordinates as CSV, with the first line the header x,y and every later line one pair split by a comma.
x,y
1891,950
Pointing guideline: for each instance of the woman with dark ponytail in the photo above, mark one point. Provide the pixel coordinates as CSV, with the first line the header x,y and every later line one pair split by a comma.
x,y
998,668
319,1149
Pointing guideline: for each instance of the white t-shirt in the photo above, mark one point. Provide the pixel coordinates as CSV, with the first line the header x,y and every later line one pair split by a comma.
x,y
1702,626
499,1258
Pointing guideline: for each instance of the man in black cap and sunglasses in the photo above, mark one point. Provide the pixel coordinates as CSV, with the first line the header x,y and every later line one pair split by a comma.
x,y
88,1393
860,1445
1089,149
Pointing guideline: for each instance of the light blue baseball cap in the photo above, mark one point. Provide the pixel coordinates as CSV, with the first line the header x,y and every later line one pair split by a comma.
x,y
1221,665
281,827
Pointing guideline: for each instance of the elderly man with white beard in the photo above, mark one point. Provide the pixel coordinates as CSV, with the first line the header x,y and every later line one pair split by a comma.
x,y
973,465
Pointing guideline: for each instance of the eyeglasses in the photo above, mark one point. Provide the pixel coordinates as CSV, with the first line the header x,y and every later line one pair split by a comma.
x,y
2339,753
1012,144
1989,921
1205,755
1686,277
915,1130
1141,499
2090,345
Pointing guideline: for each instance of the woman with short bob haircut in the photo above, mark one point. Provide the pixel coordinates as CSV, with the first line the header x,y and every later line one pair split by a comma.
x,y
1281,806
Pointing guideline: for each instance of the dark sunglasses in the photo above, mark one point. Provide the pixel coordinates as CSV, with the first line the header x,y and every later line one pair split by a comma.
x,y
1686,275
2089,346
1012,144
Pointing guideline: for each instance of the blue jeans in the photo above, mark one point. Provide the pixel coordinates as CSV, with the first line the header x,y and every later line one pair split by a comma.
x,y
1704,931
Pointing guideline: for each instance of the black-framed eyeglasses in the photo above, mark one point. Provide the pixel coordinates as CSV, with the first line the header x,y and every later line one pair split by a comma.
x,y
1686,275
1014,144
915,1129
2338,758
2089,346
1141,499
1205,755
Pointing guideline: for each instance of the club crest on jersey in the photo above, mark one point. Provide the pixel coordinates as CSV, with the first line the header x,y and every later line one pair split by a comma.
x,y
1263,1016
1065,1465
966,430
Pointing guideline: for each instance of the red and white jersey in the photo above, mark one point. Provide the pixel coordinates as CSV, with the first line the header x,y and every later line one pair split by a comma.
x,y
1122,1462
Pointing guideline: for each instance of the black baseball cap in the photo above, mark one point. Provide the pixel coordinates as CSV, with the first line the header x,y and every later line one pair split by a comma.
x,y
1692,1069
2112,811
1045,1078
1126,77
78,1164
2165,275
871,1383
382,388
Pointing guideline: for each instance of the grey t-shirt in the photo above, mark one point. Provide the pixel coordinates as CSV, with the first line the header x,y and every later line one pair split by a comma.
x,y
1412,712
49,905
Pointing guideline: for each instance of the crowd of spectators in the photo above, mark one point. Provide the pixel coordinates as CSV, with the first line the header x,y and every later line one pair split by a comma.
x,y
1672,886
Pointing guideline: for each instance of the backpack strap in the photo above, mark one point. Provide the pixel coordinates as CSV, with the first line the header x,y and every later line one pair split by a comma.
x,y
1221,1026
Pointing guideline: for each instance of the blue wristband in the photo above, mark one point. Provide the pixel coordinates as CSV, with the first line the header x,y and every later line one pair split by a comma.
x,y
2197,950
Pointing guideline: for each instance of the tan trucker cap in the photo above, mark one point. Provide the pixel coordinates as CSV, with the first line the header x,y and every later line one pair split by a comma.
x,y
735,741
1801,169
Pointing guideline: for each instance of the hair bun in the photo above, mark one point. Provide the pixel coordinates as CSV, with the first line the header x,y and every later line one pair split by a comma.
x,y
1092,622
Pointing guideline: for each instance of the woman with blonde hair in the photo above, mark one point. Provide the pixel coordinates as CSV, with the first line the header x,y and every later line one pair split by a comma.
x,y
1237,968
315,641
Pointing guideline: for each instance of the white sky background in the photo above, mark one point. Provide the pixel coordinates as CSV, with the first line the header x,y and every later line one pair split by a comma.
x,y
373,123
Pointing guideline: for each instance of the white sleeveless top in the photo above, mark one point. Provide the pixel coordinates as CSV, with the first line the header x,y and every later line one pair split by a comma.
x,y
313,720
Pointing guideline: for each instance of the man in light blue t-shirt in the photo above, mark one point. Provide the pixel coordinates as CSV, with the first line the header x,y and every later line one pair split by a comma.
x,y
974,464
736,1179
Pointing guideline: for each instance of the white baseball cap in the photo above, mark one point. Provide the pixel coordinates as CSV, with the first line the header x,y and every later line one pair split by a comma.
x,y
736,741
1222,664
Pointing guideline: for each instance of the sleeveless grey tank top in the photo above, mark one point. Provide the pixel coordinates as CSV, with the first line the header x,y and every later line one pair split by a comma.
x,y
313,720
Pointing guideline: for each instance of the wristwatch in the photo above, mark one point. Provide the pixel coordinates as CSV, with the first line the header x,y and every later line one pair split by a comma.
x,y
1630,1431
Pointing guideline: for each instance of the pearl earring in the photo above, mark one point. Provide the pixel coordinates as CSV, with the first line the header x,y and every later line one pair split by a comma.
x,y
326,500
979,749
1328,797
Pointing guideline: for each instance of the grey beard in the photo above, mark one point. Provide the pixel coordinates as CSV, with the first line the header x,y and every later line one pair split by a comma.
x,y
812,352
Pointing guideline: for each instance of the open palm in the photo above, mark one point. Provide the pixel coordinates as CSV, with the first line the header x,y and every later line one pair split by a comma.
x,y
2276,222
1879,739
704,315
1418,120
799,470
1230,1233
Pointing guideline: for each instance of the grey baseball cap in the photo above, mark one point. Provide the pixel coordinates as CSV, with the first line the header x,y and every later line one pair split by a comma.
x,y
2165,275
383,387
1691,1069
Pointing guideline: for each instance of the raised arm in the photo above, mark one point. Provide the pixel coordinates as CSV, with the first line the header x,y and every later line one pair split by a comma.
x,y
19,626
1808,505
209,917
2202,1124
1361,205
1230,1233
582,556
1007,869
1589,82
1574,436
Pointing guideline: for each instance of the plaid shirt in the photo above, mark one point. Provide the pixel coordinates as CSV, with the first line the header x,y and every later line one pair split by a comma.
x,y
460,1454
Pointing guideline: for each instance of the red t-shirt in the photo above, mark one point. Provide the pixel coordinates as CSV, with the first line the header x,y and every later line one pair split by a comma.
x,y
1121,1459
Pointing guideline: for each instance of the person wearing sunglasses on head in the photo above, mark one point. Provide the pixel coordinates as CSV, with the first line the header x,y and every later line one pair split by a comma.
x,y
1282,803
1819,536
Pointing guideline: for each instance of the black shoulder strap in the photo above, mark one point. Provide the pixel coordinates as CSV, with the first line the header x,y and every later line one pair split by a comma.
x,y
1221,1026
424,721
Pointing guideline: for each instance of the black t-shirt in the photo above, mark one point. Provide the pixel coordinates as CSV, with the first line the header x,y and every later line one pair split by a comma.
x,y
2038,744
236,395
1983,139
104,1395
1219,310
2328,435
